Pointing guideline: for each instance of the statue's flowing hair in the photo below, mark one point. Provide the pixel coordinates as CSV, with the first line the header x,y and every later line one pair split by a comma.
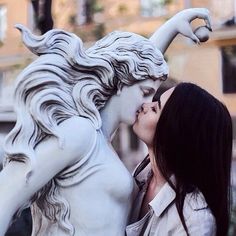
x,y
66,80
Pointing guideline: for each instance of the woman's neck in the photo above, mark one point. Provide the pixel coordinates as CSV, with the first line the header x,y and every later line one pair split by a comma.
x,y
158,178
154,186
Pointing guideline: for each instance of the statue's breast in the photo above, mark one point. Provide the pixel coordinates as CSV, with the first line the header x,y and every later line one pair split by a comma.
x,y
96,192
97,187
100,169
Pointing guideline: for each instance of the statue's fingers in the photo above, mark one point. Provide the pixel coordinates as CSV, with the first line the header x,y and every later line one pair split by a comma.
x,y
207,18
201,13
202,33
188,32
208,23
195,39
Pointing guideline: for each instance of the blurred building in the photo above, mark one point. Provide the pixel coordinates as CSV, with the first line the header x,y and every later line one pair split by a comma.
x,y
210,65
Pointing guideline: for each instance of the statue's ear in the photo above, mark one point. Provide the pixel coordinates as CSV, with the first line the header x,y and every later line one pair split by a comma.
x,y
118,91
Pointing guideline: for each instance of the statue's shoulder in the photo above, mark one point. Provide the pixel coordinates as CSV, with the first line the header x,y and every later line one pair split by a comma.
x,y
78,123
79,133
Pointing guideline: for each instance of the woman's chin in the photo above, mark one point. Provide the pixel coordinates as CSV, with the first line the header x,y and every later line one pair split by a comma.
x,y
134,127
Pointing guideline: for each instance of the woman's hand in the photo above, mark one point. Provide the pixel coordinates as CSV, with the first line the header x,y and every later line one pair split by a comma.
x,y
181,23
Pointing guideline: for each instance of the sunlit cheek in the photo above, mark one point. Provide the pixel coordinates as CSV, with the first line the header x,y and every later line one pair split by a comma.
x,y
135,127
139,132
151,129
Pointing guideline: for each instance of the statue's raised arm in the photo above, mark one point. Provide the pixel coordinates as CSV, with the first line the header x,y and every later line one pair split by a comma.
x,y
181,24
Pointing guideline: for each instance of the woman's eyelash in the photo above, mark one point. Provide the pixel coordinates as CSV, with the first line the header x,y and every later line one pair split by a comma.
x,y
154,109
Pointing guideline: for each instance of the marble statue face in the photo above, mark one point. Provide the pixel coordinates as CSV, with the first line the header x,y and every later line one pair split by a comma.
x,y
132,97
148,116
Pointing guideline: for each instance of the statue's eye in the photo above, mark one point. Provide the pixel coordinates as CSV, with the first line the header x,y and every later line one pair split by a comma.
x,y
148,91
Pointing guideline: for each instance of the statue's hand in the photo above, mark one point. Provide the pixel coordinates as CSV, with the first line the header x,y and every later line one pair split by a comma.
x,y
183,19
181,23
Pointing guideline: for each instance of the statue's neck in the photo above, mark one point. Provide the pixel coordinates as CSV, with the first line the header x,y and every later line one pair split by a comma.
x,y
110,118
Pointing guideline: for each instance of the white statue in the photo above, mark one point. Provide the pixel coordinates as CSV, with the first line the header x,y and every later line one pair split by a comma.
x,y
69,102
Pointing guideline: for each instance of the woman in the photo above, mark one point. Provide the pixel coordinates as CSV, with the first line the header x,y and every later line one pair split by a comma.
x,y
59,159
184,182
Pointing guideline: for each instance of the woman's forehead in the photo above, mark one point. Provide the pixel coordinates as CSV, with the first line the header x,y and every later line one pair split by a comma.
x,y
162,89
165,96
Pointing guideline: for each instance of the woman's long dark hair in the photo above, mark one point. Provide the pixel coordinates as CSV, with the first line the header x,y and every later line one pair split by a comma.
x,y
193,141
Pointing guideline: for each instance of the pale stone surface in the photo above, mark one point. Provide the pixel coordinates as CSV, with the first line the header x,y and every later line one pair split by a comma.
x,y
69,102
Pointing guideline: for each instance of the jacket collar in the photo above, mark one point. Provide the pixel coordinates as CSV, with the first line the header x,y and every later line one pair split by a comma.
x,y
167,195
163,199
143,173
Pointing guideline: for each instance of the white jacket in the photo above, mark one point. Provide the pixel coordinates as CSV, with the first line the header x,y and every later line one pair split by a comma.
x,y
163,219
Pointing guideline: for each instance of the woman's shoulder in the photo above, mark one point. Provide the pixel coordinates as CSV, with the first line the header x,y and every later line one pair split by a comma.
x,y
195,201
198,216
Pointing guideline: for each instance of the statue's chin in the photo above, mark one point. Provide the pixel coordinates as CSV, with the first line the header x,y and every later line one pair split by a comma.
x,y
129,120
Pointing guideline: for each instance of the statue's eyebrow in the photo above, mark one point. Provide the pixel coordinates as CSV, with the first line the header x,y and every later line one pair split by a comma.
x,y
151,89
161,78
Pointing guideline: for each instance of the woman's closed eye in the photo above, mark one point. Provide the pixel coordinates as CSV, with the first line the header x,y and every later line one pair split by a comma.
x,y
154,109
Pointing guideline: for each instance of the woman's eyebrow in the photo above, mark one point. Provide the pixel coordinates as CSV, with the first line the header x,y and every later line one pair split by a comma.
x,y
158,94
157,97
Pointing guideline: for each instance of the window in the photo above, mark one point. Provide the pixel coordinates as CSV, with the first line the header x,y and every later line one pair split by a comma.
x,y
3,22
228,54
151,8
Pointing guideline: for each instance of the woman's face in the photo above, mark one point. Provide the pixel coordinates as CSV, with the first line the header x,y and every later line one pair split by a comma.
x,y
148,116
132,97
